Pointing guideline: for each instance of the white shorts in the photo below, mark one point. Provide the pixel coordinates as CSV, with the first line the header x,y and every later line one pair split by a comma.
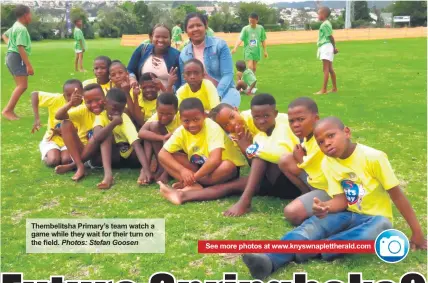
x,y
253,91
326,52
46,146
77,51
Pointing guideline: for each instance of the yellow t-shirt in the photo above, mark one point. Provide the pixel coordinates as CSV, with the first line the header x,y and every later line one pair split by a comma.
x,y
106,87
148,107
53,101
124,134
199,146
364,177
83,120
207,94
312,164
171,127
271,148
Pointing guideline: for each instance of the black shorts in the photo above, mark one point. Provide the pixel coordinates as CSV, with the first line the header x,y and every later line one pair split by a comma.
x,y
283,188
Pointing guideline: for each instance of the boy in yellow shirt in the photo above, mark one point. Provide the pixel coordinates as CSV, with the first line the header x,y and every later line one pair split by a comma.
x,y
52,147
118,139
159,128
197,86
362,184
210,156
304,161
77,127
101,72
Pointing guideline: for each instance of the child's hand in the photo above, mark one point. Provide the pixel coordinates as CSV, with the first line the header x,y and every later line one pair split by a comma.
x,y
116,119
243,138
76,98
298,153
172,76
36,126
30,70
136,90
158,82
418,242
125,85
133,82
319,208
233,51
335,51
55,132
266,54
187,177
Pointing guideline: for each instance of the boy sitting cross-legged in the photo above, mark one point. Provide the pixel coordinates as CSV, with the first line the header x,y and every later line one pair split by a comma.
x,y
209,155
159,128
120,145
77,127
305,160
52,147
362,184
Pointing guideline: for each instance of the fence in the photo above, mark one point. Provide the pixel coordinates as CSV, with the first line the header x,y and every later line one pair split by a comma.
x,y
306,36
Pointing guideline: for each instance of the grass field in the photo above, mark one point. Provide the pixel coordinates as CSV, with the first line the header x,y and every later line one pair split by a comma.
x,y
382,97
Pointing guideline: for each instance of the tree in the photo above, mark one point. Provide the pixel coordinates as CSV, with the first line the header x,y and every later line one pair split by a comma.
x,y
417,10
267,15
361,11
115,22
188,8
143,17
7,16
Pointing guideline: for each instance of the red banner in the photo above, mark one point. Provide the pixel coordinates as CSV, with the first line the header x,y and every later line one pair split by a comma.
x,y
322,246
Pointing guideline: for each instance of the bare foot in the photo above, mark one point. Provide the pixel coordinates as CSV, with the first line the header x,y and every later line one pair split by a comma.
x,y
323,91
61,169
10,115
106,183
142,179
164,177
177,186
174,196
154,165
193,187
333,90
80,173
237,209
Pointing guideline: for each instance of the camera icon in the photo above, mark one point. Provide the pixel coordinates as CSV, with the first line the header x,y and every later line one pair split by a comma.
x,y
392,246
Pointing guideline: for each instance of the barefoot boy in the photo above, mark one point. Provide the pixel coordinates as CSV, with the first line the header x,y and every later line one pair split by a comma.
x,y
120,145
52,147
326,49
246,80
79,45
253,36
306,158
176,35
77,127
210,156
159,128
18,43
360,180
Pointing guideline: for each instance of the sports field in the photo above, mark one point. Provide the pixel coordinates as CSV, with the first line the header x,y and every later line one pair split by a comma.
x,y
382,98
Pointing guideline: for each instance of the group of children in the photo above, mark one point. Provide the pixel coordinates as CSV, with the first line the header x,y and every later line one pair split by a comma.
x,y
339,189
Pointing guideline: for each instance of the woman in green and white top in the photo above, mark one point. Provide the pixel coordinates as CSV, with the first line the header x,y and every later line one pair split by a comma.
x,y
79,45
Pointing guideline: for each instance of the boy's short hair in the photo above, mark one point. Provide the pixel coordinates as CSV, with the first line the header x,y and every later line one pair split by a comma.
x,y
117,95
254,15
21,10
332,119
306,102
167,99
191,103
240,65
73,82
118,62
145,77
92,87
178,22
326,10
263,99
214,112
76,20
106,60
196,61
